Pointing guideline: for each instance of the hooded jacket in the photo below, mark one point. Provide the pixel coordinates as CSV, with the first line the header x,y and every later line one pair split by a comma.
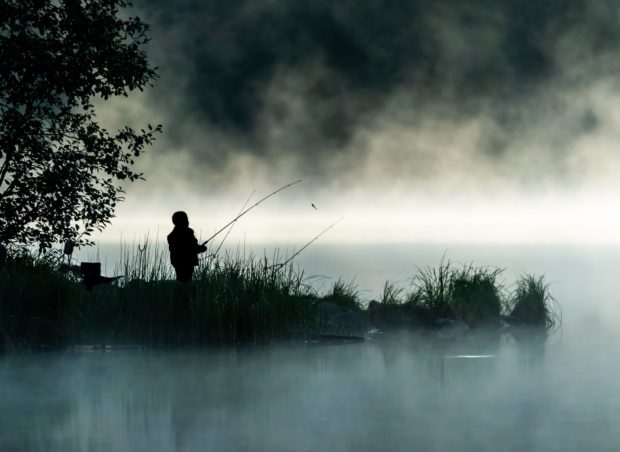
x,y
183,247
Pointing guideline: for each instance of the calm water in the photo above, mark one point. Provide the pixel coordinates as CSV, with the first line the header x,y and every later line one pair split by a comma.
x,y
394,393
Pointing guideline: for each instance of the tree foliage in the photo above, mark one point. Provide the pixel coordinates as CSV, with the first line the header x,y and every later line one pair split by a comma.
x,y
60,170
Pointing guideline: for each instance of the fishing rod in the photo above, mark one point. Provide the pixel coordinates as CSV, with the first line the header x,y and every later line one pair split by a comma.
x,y
279,266
232,225
248,209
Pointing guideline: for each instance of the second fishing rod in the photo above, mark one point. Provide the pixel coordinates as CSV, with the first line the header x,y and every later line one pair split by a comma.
x,y
223,228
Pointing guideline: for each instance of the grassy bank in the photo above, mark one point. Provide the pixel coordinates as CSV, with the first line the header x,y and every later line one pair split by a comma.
x,y
473,295
236,299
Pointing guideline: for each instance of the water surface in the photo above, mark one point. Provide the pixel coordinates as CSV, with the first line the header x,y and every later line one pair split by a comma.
x,y
402,392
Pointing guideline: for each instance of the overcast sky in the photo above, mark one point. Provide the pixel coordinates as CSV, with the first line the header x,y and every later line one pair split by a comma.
x,y
415,120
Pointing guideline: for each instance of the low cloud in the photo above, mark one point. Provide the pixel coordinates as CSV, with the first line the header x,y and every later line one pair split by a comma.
x,y
404,103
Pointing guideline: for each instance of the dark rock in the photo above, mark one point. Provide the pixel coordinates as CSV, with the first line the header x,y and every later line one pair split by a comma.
x,y
338,320
398,316
450,329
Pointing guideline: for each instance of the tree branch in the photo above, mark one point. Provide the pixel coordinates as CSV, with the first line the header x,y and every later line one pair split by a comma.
x,y
4,169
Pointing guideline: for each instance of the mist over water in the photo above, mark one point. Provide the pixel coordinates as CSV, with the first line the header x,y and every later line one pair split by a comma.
x,y
397,392
404,394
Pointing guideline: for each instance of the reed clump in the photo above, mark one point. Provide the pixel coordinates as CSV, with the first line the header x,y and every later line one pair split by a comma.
x,y
344,294
532,304
467,293
473,295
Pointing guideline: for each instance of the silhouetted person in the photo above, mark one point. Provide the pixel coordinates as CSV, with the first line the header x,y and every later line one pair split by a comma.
x,y
184,248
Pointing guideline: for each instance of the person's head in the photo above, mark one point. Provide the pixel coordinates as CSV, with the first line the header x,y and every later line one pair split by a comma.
x,y
180,219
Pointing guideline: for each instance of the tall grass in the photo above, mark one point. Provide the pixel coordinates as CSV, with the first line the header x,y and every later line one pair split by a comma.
x,y
38,305
392,294
532,303
235,298
144,262
471,294
467,293
344,294
231,299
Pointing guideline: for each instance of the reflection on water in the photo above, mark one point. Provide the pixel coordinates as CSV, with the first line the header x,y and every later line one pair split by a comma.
x,y
485,392
398,393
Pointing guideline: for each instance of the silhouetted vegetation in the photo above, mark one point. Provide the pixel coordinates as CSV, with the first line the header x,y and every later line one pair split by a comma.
x,y
466,293
469,294
60,170
236,299
532,304
344,294
38,304
231,300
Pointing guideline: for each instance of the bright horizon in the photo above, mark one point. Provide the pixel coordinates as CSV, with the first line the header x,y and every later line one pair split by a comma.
x,y
568,220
